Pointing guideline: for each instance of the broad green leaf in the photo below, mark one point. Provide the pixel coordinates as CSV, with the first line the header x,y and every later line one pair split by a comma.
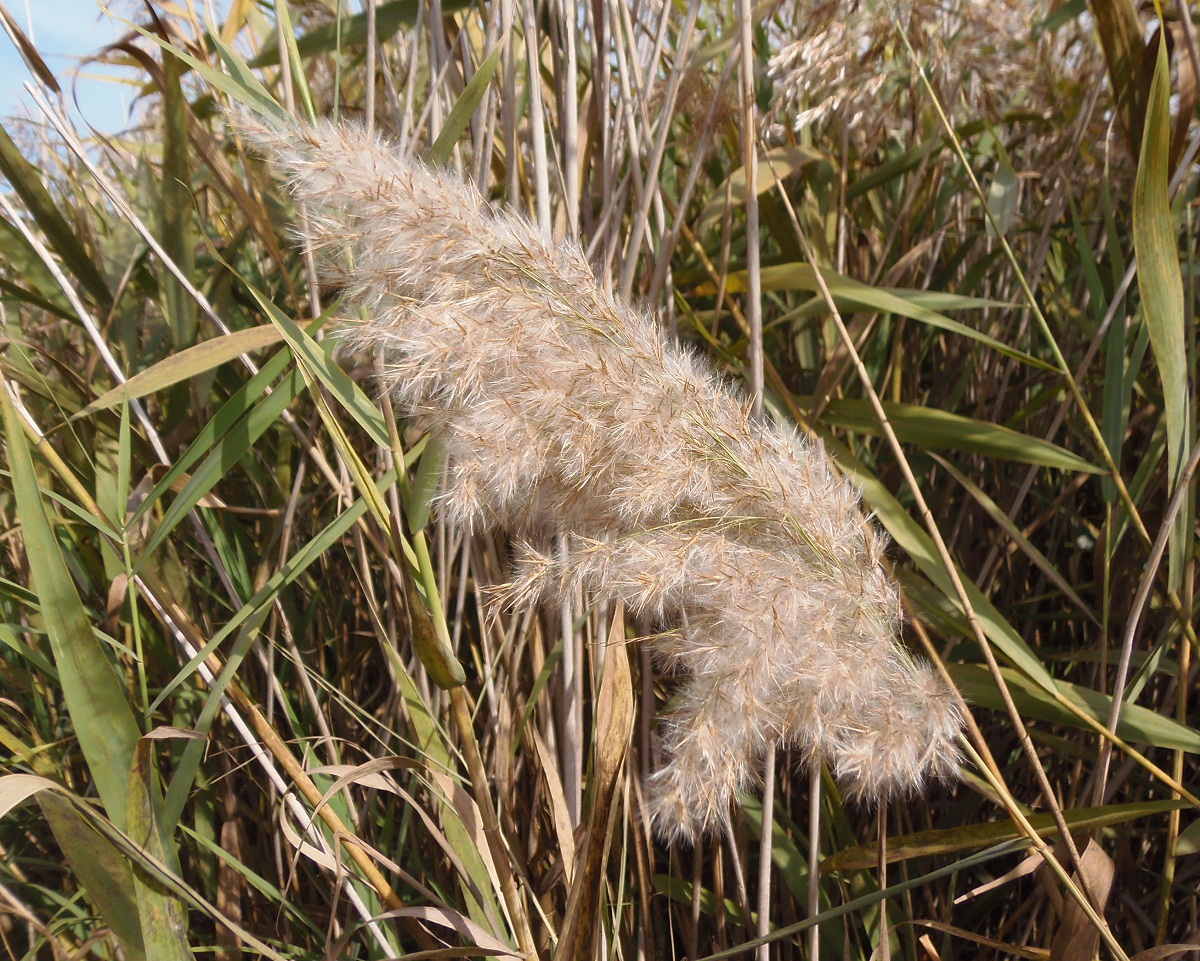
x,y
1137,725
1064,14
9,637
856,295
1003,192
106,876
247,89
931,428
18,293
431,636
791,864
39,286
941,300
21,366
1189,840
163,917
95,699
931,605
187,364
464,107
424,487
18,788
935,300
681,891
17,592
175,221
925,844
1161,285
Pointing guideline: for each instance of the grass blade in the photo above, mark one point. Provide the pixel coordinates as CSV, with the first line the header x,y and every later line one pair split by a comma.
x,y
97,702
163,917
464,107
856,295
186,364
923,844
1161,284
929,427
1137,725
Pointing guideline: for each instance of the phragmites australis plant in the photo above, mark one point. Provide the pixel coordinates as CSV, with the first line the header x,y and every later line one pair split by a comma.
x,y
556,648
565,411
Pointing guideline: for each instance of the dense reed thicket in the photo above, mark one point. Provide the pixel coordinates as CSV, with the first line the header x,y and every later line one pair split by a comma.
x,y
433,445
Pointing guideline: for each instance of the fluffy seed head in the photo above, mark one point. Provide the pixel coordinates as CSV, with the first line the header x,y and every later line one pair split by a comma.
x,y
844,63
564,410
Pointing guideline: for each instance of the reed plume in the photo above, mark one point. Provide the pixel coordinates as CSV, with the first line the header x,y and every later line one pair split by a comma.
x,y
564,410
844,65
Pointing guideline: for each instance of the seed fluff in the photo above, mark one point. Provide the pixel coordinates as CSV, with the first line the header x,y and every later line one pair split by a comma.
x,y
564,410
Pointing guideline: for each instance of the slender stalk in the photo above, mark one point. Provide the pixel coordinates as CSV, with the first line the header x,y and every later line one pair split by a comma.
x,y
885,935
372,45
814,857
750,162
569,120
572,706
640,220
764,855
537,120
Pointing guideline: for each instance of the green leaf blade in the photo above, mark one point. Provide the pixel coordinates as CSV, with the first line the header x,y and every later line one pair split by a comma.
x,y
97,703
1160,281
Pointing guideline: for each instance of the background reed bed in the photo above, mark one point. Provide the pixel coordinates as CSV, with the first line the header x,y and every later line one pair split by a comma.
x,y
258,695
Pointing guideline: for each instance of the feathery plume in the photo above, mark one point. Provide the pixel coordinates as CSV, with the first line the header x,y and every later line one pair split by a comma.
x,y
841,62
564,410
